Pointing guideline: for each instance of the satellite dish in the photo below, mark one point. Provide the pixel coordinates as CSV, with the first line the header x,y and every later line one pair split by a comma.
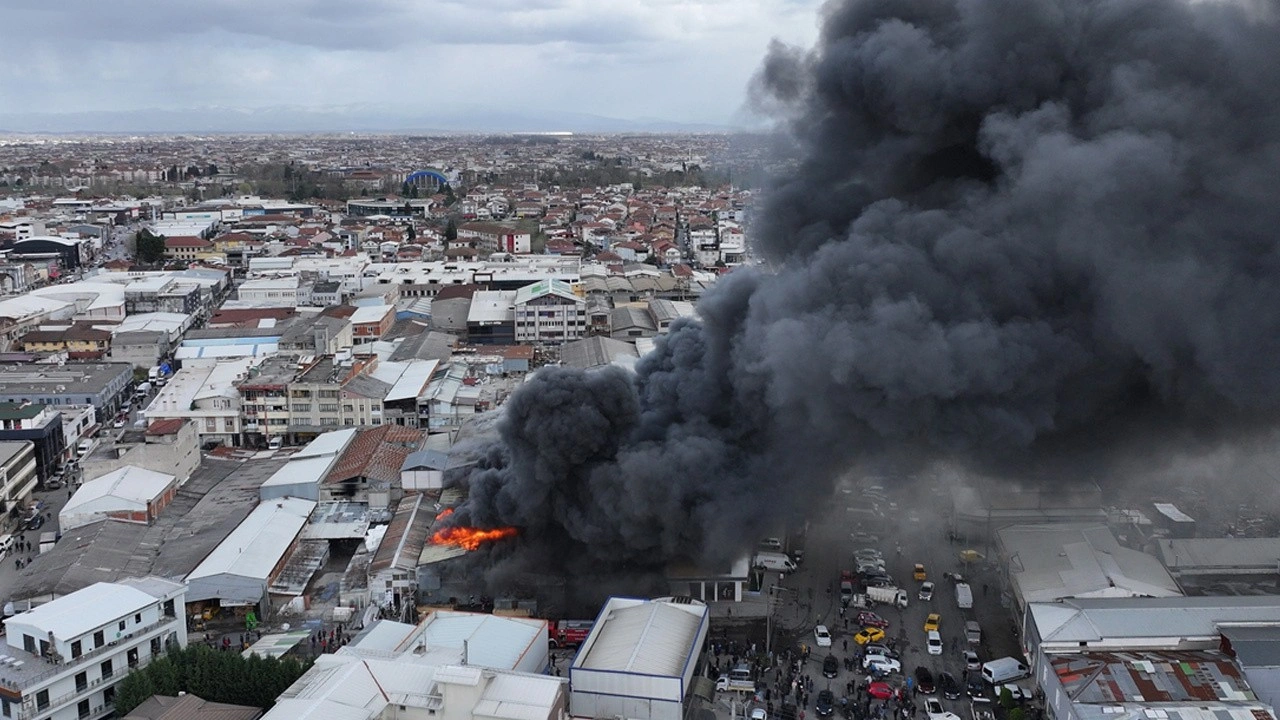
x,y
285,627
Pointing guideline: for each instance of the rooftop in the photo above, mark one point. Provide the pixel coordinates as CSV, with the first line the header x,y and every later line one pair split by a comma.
x,y
1075,620
649,637
258,543
1060,560
1151,677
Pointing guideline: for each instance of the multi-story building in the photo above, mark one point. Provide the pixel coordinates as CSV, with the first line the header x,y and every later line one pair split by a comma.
x,y
187,248
495,237
162,293
207,395
80,341
17,473
102,385
549,311
371,322
68,655
42,426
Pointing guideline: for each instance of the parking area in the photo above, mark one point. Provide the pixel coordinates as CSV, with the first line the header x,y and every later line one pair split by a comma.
x,y
896,527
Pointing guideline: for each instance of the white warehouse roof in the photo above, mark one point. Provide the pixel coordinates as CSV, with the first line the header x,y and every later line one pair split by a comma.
x,y
258,543
652,637
128,489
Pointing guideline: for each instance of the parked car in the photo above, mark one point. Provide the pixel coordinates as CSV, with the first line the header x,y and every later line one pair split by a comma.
x,y
825,704
918,573
948,686
866,635
881,690
830,666
975,686
1016,693
926,592
35,522
932,622
822,636
867,618
934,643
879,649
971,662
924,681
881,664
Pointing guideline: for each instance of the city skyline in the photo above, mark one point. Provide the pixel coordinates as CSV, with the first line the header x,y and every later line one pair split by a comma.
x,y
318,65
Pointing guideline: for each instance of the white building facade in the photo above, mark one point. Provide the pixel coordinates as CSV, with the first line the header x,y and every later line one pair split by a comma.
x,y
66,657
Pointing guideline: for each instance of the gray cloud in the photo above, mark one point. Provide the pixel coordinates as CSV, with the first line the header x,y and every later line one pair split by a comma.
x,y
1023,235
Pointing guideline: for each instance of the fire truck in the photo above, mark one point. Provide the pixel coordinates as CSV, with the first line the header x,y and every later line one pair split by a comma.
x,y
568,633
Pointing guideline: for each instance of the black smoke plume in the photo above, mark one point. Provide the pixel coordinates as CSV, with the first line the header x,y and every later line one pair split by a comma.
x,y
1017,231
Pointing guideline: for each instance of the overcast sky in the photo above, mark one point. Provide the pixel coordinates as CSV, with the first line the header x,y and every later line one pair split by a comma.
x,y
683,60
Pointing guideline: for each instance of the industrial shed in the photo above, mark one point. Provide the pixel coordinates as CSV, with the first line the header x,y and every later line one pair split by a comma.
x,y
241,567
639,660
132,494
302,475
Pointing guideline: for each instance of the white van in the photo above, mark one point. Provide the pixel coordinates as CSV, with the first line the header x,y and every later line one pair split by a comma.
x,y
774,561
84,448
1003,670
275,443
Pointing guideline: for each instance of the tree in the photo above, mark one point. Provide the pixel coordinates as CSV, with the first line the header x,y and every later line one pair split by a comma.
x,y
412,234
210,674
450,231
449,197
413,192
148,246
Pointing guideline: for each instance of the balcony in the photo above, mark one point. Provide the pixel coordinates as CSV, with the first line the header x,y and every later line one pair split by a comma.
x,y
31,677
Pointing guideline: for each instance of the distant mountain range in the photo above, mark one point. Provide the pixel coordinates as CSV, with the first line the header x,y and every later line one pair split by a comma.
x,y
338,119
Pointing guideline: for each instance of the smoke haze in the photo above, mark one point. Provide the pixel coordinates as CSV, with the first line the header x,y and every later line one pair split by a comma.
x,y
1019,233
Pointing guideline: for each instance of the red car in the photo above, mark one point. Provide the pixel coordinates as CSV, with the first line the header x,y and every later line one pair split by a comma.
x,y
880,690
870,619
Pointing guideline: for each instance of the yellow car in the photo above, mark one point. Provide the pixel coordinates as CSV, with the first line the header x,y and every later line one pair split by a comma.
x,y
918,573
869,635
931,623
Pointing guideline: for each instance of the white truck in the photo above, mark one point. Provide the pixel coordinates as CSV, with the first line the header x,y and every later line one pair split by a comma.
x,y
888,596
777,562
964,596
736,680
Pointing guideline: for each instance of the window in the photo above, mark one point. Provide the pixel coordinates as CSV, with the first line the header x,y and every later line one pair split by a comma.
x,y
131,657
82,681
302,407
137,618
348,408
82,708
98,639
75,649
211,425
109,696
107,670
328,407
121,626
42,699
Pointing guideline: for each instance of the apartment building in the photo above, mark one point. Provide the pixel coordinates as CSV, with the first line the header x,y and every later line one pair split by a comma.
x,y
40,424
67,656
17,473
207,395
548,311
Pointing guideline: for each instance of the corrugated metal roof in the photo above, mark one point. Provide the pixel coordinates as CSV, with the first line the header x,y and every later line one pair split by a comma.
x,y
1076,620
258,543
649,637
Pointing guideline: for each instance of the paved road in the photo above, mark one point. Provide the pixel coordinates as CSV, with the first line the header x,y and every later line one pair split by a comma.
x,y
918,526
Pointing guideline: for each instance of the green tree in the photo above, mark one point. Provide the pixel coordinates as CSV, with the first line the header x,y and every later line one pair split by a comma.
x,y
413,192
412,234
1006,699
149,247
1017,714
211,674
450,231
449,198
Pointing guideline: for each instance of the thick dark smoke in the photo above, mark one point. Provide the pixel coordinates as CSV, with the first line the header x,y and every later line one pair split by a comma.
x,y
1018,231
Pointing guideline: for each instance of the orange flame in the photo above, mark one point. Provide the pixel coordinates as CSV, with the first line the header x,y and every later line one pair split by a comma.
x,y
444,513
470,538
